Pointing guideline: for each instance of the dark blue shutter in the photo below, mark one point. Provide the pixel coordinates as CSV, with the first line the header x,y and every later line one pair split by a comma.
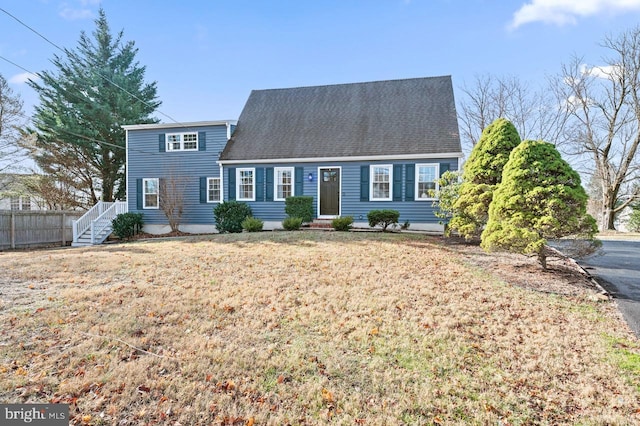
x,y
202,141
162,144
139,194
410,182
269,182
397,182
232,183
364,183
444,167
203,189
260,184
298,190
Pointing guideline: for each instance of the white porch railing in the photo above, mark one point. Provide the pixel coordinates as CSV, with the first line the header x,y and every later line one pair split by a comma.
x,y
97,219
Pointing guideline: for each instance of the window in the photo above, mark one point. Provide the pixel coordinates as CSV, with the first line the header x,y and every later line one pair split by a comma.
x,y
20,203
381,183
426,175
245,184
150,193
283,183
182,142
213,190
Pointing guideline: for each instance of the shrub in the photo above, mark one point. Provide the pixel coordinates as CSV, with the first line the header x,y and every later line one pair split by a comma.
x,y
482,173
299,206
252,224
292,223
126,225
634,220
229,216
383,218
540,198
342,223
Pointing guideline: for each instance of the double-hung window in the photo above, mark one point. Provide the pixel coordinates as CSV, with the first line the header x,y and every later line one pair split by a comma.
x,y
426,180
20,203
213,190
245,181
150,193
283,183
182,141
381,178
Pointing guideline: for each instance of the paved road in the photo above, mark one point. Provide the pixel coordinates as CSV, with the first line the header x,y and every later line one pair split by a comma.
x,y
617,269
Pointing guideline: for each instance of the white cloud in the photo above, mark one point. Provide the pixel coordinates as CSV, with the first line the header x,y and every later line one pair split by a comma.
x,y
71,13
608,72
22,78
563,12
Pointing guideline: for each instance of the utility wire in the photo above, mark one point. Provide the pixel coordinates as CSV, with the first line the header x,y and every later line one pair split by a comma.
x,y
102,76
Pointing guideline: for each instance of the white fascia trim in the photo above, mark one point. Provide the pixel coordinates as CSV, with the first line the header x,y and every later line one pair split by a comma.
x,y
178,125
126,166
345,159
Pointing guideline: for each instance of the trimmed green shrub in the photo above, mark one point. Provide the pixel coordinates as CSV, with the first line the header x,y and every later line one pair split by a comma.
x,y
540,198
126,225
229,215
342,223
252,224
482,173
383,218
299,206
292,223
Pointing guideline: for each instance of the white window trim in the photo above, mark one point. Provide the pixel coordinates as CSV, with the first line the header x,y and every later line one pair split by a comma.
x,y
144,198
371,173
437,176
169,145
253,183
209,179
275,182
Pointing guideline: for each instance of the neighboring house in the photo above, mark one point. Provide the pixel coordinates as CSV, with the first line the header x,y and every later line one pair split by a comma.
x,y
182,157
15,194
352,147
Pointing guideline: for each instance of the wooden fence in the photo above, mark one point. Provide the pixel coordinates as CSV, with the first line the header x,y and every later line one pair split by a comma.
x,y
22,229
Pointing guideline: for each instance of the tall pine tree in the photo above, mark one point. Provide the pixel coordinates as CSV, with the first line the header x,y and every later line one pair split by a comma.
x,y
94,90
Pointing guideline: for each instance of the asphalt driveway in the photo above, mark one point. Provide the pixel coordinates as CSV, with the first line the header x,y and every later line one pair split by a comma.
x,y
617,268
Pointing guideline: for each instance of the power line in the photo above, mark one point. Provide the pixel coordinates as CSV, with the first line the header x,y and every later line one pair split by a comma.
x,y
15,65
102,76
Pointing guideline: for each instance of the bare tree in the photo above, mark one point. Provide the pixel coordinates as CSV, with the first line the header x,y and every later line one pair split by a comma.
x,y
603,103
52,194
534,113
11,119
172,199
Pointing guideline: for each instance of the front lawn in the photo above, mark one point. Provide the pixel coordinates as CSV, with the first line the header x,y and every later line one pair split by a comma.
x,y
306,328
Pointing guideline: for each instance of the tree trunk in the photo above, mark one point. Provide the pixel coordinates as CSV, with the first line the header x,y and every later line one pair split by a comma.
x,y
608,215
542,258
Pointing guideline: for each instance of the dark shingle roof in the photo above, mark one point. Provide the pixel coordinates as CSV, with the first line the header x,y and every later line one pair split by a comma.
x,y
395,117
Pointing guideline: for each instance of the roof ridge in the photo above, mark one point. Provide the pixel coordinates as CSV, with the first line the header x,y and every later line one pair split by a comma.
x,y
354,83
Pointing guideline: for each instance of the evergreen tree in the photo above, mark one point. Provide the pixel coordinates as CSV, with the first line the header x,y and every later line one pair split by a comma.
x,y
95,89
540,198
482,172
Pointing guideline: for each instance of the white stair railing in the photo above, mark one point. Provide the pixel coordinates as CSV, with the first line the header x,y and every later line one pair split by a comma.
x,y
103,221
81,225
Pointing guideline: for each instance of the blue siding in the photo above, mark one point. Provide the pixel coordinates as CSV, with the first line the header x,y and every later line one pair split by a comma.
x,y
413,211
145,160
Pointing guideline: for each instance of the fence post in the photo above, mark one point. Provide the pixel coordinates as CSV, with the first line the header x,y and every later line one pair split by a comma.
x,y
13,229
64,237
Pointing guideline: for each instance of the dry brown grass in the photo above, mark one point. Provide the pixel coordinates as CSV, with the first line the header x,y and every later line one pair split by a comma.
x,y
306,328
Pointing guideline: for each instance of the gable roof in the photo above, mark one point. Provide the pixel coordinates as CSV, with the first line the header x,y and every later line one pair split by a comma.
x,y
382,118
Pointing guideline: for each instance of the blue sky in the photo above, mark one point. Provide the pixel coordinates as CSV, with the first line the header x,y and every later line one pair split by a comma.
x,y
207,56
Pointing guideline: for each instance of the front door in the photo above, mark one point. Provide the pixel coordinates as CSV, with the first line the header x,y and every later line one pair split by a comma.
x,y
329,191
